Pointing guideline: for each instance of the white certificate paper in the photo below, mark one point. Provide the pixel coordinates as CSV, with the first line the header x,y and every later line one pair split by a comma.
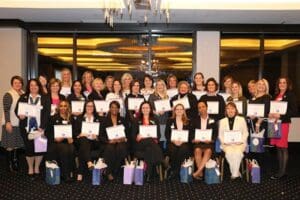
x,y
27,109
198,94
102,106
232,137
90,128
184,101
203,135
77,106
279,107
212,107
239,106
224,95
172,92
62,131
162,105
115,132
66,91
257,110
147,131
134,103
180,135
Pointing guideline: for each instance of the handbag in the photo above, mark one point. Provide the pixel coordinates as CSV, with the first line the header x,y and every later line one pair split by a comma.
x,y
52,173
212,172
274,128
186,171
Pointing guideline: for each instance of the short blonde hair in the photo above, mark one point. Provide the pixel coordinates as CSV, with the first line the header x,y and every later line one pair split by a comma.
x,y
124,76
266,84
240,93
184,83
165,95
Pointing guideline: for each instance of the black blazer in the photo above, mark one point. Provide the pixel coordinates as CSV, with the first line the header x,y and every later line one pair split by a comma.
x,y
96,96
265,99
56,120
107,122
45,111
292,109
192,111
78,124
171,124
222,105
72,97
211,124
130,113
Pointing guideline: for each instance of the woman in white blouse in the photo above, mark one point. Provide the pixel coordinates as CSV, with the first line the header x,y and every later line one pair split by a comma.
x,y
234,151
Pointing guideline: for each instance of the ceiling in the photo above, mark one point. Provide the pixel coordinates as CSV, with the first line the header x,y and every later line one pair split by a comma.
x,y
191,11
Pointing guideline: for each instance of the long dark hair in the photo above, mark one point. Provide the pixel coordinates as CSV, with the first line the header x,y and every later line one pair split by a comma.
x,y
84,108
38,84
141,115
288,82
194,83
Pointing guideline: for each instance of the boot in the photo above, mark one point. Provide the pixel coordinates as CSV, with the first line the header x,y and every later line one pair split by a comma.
x,y
9,161
15,160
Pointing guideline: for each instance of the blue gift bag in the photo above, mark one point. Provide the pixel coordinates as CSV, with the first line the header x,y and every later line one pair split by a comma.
x,y
218,146
257,142
274,129
186,174
97,176
138,176
211,176
255,172
52,173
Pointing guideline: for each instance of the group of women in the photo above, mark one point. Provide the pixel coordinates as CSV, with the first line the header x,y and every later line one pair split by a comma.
x,y
190,112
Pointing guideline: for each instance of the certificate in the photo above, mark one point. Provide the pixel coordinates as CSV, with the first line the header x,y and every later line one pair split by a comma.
x,y
77,106
115,132
172,92
90,128
27,109
239,106
198,94
212,107
134,103
180,135
257,110
184,101
224,95
66,91
232,137
62,131
279,107
203,135
162,105
102,106
148,131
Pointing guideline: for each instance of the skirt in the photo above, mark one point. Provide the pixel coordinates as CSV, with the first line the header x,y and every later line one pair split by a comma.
x,y
11,140
283,141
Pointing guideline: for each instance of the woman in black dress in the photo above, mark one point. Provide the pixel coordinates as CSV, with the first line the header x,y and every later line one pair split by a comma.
x,y
178,150
61,149
203,149
38,122
115,150
147,148
86,142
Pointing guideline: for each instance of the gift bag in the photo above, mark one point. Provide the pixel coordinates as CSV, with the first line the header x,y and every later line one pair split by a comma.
x,y
254,171
212,172
128,174
98,171
257,142
274,128
40,144
52,173
218,146
186,171
139,173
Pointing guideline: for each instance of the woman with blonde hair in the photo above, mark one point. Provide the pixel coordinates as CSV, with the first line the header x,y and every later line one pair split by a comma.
x,y
236,96
87,79
126,80
66,82
54,94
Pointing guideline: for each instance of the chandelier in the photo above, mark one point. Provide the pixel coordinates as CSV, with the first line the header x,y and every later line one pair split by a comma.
x,y
117,8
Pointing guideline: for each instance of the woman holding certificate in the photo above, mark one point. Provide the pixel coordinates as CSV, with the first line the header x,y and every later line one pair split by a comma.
x,y
33,111
98,86
60,140
87,131
233,134
117,95
215,102
178,137
160,101
114,135
11,136
188,100
147,133
76,92
283,94
237,97
203,136
54,95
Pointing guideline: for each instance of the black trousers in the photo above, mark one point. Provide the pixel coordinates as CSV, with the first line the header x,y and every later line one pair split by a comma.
x,y
84,147
63,153
178,154
113,156
150,151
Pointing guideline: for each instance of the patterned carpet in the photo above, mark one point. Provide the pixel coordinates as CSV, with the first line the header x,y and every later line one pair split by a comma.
x,y
19,186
